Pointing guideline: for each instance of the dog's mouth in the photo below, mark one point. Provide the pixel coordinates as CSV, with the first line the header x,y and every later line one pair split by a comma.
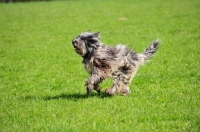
x,y
76,48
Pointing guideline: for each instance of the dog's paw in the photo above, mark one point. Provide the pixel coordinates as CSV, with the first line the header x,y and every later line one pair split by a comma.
x,y
109,91
125,92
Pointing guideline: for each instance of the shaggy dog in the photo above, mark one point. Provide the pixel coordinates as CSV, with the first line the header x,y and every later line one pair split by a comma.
x,y
102,62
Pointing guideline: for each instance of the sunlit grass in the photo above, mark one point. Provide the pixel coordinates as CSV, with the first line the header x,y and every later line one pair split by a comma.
x,y
42,78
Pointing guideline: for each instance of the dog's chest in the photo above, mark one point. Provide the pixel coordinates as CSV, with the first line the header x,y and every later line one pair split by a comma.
x,y
89,66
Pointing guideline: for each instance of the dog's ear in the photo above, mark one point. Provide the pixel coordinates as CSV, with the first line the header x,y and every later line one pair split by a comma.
x,y
97,35
92,38
89,31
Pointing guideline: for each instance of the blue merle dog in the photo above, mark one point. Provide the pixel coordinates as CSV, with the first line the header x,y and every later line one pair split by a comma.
x,y
102,62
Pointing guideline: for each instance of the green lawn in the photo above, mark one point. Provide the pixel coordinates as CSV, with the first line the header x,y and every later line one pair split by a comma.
x,y
42,78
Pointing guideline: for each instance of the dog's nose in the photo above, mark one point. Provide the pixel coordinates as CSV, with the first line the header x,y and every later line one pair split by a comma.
x,y
74,41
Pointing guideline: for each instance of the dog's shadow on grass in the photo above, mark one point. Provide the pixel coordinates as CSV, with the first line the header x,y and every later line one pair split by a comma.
x,y
73,97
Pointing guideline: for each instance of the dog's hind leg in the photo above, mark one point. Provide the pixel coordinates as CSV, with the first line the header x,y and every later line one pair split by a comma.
x,y
122,77
119,86
113,90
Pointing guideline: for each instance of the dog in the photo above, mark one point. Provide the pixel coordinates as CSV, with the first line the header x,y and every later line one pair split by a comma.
x,y
102,62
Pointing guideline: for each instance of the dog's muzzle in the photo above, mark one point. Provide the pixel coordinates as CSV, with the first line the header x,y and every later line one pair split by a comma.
x,y
76,47
74,42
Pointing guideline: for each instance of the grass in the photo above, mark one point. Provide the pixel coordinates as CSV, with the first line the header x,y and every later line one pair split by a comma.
x,y
42,78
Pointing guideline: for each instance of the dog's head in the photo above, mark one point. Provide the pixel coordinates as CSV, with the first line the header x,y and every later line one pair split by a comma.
x,y
86,43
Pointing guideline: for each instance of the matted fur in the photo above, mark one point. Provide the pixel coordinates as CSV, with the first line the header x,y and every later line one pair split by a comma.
x,y
102,62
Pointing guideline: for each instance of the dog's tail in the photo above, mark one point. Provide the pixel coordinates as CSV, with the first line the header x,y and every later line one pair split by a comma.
x,y
149,52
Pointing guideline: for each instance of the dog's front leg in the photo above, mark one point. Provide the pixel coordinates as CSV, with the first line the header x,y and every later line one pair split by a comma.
x,y
92,83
